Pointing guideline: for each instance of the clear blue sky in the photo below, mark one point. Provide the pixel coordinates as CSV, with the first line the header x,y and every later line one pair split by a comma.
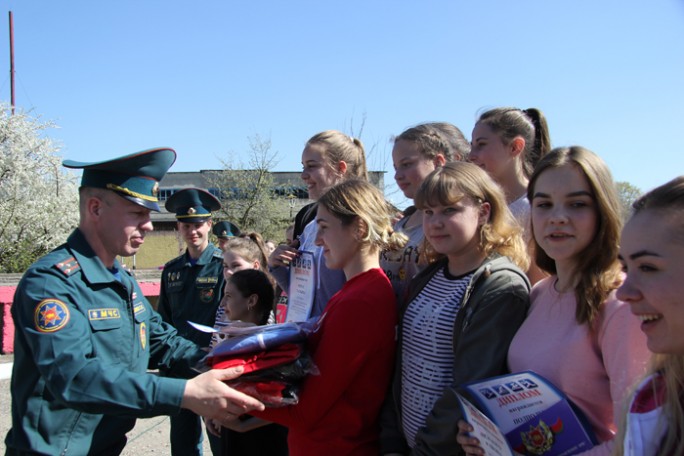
x,y
201,77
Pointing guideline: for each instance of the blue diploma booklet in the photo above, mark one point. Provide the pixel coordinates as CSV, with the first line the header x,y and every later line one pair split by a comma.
x,y
533,415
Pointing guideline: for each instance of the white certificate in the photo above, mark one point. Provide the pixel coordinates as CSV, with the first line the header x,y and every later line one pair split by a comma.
x,y
302,286
490,436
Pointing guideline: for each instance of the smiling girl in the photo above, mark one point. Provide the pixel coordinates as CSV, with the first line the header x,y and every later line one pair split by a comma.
x,y
416,153
248,296
246,251
329,157
462,310
578,335
652,255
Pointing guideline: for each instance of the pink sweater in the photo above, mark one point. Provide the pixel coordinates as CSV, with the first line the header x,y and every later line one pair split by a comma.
x,y
596,371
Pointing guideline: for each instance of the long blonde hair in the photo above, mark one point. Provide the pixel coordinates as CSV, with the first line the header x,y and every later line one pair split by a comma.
x,y
457,180
358,199
339,147
666,201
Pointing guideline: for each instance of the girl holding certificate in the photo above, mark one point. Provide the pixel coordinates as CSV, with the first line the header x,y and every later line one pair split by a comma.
x,y
652,255
462,310
329,157
577,335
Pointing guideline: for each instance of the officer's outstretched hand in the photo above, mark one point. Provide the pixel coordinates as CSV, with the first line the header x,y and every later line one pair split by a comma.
x,y
208,396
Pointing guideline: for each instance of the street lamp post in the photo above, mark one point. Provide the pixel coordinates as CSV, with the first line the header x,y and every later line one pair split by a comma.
x,y
291,203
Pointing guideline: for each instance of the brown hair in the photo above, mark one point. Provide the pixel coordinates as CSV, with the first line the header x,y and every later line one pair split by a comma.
x,y
597,266
667,199
256,282
437,137
529,124
250,246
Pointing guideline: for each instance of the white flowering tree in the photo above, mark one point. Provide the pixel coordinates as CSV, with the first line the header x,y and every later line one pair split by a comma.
x,y
38,197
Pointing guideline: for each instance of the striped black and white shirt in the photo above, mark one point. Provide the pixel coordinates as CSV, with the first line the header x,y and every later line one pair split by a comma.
x,y
427,347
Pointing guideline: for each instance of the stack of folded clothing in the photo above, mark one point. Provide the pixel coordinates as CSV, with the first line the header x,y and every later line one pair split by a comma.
x,y
274,358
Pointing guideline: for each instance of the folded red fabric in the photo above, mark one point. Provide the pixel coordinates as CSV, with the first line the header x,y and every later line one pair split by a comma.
x,y
251,362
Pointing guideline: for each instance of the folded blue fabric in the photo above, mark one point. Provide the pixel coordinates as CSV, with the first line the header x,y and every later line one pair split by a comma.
x,y
261,338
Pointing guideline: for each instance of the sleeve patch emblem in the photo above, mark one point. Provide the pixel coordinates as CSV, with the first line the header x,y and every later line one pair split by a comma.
x,y
207,295
51,315
143,335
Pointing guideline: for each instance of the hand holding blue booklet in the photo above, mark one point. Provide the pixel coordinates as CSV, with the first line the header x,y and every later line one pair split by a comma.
x,y
528,413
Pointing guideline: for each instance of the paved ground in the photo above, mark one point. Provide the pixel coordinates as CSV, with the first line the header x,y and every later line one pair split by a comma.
x,y
149,437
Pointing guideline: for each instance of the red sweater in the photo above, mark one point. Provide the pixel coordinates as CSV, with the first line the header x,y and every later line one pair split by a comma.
x,y
338,410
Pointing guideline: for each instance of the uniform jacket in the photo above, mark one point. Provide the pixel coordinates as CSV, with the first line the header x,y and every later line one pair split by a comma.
x,y
83,342
494,305
192,293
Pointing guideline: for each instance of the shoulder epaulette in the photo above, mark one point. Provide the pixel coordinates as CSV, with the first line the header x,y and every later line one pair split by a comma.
x,y
218,254
68,266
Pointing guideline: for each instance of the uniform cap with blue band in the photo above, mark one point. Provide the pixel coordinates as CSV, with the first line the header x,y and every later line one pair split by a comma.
x,y
225,229
192,205
134,177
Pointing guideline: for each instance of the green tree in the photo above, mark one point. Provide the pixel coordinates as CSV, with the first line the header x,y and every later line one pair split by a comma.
x,y
627,193
248,193
38,198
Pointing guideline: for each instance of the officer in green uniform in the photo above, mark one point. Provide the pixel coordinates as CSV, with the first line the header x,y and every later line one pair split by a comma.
x,y
224,231
85,334
191,290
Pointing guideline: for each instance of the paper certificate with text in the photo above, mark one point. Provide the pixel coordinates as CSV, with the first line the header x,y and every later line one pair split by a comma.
x,y
491,439
535,417
302,287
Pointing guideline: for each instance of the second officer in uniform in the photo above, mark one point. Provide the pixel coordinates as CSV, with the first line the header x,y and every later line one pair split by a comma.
x,y
191,290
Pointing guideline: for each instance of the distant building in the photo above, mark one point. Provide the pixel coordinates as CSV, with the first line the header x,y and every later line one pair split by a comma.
x,y
164,243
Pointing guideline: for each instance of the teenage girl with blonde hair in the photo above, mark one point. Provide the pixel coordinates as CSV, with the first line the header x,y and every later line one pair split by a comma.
x,y
461,311
354,347
329,157
652,256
